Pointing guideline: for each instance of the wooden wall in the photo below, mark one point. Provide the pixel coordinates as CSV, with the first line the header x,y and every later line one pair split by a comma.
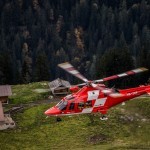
x,y
1,112
4,99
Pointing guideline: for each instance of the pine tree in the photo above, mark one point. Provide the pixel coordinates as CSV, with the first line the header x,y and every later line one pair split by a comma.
x,y
82,28
6,69
42,68
92,69
60,57
113,62
27,65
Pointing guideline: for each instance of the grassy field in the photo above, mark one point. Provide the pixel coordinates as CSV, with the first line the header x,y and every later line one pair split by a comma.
x,y
128,127
26,93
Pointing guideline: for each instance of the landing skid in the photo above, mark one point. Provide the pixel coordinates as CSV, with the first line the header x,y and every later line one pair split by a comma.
x,y
104,118
58,119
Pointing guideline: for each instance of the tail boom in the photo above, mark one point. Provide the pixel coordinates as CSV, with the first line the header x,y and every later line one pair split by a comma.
x,y
127,94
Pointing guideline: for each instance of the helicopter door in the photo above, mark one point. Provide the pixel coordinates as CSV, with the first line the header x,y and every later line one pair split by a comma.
x,y
81,106
72,107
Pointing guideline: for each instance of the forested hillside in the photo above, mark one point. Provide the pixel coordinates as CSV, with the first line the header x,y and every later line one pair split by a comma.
x,y
99,37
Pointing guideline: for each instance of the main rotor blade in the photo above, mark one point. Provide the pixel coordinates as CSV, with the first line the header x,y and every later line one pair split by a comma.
x,y
131,72
102,89
70,69
80,85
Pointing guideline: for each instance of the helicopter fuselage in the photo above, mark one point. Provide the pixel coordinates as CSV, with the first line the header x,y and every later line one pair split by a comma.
x,y
91,100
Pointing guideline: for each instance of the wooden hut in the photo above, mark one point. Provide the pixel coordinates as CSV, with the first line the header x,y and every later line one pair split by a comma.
x,y
5,119
5,91
59,86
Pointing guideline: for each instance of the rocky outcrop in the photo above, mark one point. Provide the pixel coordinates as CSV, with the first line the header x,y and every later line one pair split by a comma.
x,y
8,123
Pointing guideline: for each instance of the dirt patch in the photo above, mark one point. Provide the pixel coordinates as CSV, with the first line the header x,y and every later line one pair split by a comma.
x,y
41,90
98,138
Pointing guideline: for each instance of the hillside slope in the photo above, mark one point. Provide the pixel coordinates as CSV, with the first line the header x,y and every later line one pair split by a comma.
x,y
37,35
128,127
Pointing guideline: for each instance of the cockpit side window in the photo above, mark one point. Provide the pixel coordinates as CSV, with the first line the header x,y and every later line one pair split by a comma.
x,y
71,107
89,104
80,105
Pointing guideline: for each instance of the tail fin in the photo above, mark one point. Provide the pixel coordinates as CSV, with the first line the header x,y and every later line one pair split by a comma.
x,y
148,91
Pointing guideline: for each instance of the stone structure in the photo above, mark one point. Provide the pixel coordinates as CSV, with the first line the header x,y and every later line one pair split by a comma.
x,y
5,119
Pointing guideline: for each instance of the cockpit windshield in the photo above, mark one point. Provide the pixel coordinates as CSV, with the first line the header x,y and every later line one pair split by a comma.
x,y
82,90
69,97
62,105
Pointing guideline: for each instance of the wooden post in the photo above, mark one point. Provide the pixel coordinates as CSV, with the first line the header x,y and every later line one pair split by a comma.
x,y
1,112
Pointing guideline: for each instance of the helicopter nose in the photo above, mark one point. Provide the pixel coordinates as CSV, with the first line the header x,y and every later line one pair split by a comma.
x,y
52,111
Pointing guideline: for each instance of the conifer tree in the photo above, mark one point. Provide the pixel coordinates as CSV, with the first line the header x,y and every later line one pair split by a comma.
x,y
26,65
113,62
42,68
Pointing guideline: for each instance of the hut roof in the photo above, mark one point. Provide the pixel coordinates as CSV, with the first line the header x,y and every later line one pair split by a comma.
x,y
58,83
5,90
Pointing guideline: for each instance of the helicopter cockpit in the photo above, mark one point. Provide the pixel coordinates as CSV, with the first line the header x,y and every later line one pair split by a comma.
x,y
62,105
69,97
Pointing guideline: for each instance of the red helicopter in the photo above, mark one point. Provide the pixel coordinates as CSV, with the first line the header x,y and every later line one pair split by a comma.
x,y
95,97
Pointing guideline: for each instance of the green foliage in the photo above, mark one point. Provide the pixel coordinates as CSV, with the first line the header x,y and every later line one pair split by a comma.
x,y
113,62
34,131
42,67
72,31
127,127
26,66
5,68
142,105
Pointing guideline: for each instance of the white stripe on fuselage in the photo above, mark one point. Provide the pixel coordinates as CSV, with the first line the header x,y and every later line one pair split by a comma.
x,y
87,110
